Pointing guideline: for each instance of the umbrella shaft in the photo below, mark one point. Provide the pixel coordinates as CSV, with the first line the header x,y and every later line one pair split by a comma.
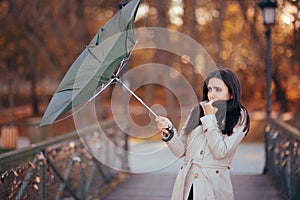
x,y
138,98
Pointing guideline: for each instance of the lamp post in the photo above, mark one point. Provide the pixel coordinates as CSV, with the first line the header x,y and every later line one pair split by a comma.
x,y
268,12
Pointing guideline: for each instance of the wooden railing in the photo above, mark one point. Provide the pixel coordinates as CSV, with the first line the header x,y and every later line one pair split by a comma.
x,y
283,158
63,167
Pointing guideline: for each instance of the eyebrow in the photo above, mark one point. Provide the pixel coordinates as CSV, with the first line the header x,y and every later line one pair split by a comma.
x,y
214,87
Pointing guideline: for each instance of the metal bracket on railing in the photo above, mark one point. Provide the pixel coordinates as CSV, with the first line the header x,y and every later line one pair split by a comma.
x,y
61,178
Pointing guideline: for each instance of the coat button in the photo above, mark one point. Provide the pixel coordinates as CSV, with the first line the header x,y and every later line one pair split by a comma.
x,y
201,152
217,171
196,175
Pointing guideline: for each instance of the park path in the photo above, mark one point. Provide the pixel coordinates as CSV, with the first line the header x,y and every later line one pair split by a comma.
x,y
247,179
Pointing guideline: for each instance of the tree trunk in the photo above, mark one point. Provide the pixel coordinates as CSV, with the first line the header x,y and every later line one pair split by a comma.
x,y
280,93
160,56
11,101
219,29
190,28
33,78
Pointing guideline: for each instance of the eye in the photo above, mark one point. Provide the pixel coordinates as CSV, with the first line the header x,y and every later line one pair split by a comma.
x,y
209,89
218,89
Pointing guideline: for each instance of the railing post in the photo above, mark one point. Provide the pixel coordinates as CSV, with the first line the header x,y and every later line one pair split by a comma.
x,y
293,170
266,142
126,149
82,180
42,175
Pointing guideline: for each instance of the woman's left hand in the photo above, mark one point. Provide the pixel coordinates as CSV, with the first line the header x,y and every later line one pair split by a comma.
x,y
163,123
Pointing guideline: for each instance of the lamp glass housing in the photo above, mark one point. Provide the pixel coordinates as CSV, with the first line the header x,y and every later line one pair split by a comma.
x,y
268,11
269,15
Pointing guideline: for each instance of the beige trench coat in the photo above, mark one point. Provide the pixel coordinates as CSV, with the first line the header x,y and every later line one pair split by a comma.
x,y
207,159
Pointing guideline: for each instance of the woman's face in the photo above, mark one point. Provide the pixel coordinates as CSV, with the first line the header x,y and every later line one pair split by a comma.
x,y
217,90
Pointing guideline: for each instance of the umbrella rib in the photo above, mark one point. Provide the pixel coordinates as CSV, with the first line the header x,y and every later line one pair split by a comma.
x,y
125,60
122,64
102,88
93,55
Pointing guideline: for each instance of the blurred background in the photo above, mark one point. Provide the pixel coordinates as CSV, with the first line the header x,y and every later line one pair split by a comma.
x,y
39,40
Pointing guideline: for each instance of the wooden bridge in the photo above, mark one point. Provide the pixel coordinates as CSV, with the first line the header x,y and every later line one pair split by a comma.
x,y
63,168
247,179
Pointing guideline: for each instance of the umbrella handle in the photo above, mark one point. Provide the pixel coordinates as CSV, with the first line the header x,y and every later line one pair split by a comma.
x,y
138,98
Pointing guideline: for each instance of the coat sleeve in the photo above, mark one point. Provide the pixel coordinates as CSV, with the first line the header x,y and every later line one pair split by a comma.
x,y
177,144
222,146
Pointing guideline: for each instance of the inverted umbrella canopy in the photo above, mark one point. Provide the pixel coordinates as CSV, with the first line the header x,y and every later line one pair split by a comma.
x,y
95,66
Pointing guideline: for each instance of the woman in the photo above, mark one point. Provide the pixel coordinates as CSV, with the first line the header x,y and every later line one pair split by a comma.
x,y
208,139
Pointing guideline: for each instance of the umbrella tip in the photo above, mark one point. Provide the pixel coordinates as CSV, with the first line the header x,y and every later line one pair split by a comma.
x,y
122,4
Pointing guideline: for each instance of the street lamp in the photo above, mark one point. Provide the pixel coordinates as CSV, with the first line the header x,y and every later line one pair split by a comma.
x,y
268,12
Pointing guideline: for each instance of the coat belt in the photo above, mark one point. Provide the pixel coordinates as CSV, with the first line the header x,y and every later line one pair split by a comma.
x,y
187,167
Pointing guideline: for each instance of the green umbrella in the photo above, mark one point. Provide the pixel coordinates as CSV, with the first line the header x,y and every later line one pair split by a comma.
x,y
97,66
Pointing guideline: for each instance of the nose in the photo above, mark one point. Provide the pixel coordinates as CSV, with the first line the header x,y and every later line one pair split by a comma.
x,y
211,95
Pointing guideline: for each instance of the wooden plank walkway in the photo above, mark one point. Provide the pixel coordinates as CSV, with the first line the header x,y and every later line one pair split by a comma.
x,y
155,186
248,183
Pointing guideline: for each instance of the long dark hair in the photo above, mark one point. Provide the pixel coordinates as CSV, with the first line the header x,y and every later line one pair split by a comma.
x,y
229,110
